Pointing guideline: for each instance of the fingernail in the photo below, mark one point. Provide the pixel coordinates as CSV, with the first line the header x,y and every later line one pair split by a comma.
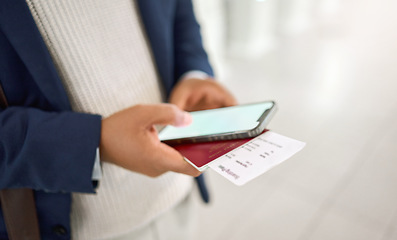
x,y
186,119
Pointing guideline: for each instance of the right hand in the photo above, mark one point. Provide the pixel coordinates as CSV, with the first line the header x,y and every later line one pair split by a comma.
x,y
129,140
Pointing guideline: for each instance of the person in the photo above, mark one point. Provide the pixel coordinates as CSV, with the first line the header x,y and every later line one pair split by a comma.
x,y
85,81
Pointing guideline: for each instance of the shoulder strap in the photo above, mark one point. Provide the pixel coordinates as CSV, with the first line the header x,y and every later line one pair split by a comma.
x,y
20,214
3,99
18,205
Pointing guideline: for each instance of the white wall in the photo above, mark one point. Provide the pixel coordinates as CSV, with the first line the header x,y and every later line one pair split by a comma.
x,y
248,28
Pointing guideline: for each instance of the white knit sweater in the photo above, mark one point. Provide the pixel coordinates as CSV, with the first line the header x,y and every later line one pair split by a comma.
x,y
102,56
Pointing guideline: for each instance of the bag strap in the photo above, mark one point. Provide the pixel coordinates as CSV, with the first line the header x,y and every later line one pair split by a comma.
x,y
20,214
3,99
18,205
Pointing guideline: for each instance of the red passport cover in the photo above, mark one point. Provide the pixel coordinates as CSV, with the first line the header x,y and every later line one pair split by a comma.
x,y
203,153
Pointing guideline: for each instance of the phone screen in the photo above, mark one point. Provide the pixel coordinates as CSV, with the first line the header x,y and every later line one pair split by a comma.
x,y
218,121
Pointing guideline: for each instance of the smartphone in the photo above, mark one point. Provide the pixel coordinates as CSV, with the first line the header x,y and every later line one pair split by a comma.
x,y
241,121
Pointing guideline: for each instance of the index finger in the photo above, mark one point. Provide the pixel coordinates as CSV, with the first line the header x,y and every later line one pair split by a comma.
x,y
164,114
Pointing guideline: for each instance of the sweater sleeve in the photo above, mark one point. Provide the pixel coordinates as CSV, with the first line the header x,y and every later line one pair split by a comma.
x,y
50,151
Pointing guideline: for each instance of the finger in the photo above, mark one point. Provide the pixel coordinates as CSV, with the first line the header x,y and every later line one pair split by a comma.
x,y
195,98
169,159
229,101
224,96
210,101
165,114
187,169
179,98
175,162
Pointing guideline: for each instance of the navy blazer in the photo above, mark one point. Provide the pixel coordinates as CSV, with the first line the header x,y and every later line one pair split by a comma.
x,y
43,144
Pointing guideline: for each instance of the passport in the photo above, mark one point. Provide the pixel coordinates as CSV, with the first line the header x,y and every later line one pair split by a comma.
x,y
241,160
202,153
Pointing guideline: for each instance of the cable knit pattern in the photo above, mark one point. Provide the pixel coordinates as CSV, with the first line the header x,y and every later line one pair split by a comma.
x,y
102,57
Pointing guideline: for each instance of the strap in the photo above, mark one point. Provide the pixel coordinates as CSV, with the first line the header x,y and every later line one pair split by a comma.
x,y
18,205
3,99
20,215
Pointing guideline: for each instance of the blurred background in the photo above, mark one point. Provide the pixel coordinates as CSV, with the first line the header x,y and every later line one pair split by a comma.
x,y
330,65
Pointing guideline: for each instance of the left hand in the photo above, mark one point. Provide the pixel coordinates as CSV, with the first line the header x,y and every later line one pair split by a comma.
x,y
197,94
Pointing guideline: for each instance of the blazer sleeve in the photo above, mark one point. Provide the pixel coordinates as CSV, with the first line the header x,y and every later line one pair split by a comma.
x,y
50,151
189,53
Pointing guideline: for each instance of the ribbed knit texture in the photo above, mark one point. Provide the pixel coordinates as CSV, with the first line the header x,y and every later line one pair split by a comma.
x,y
102,56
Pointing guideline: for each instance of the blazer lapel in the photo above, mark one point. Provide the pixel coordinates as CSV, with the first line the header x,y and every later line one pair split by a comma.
x,y
17,23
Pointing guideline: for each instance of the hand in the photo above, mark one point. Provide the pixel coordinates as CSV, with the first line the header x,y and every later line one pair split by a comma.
x,y
129,139
196,94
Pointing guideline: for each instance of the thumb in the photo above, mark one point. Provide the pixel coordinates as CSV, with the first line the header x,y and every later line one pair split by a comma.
x,y
167,114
